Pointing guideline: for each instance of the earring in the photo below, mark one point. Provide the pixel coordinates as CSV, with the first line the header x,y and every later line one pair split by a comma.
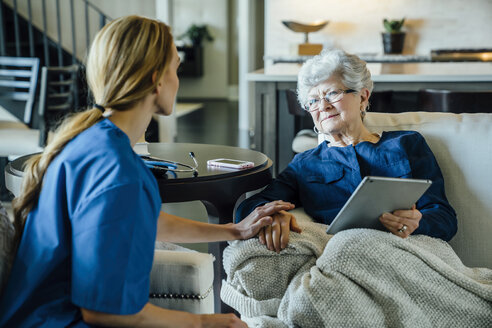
x,y
316,130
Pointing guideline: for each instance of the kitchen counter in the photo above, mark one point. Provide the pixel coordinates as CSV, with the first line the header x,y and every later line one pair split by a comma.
x,y
275,128
392,72
436,55
368,57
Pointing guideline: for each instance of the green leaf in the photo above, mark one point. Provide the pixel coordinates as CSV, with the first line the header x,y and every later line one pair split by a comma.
x,y
393,26
197,33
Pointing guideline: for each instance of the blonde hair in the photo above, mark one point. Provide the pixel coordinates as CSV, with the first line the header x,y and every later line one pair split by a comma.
x,y
122,60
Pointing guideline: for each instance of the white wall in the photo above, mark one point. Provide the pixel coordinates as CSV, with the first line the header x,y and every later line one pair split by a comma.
x,y
214,82
118,8
356,25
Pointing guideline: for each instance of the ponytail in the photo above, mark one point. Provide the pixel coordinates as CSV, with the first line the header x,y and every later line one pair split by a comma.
x,y
123,58
37,165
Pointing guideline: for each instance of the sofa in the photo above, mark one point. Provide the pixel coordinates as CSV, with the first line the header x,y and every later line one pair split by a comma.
x,y
462,145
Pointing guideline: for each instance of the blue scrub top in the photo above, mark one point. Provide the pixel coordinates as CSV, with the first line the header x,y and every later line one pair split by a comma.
x,y
89,241
322,179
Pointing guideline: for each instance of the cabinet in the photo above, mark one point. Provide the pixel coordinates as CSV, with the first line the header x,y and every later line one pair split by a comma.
x,y
191,61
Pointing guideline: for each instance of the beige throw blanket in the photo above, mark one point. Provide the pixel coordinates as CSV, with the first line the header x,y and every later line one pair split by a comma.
x,y
362,278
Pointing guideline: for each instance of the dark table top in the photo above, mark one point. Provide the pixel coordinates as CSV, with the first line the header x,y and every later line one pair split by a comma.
x,y
219,186
179,152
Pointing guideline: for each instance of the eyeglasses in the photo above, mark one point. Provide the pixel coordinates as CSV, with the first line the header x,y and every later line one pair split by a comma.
x,y
331,97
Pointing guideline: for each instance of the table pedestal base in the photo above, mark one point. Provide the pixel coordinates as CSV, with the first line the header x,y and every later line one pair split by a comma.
x,y
219,215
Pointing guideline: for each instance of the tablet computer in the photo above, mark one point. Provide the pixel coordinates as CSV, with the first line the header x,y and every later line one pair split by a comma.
x,y
375,196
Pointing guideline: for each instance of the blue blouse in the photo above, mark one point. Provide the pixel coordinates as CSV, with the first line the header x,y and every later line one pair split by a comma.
x,y
322,179
89,241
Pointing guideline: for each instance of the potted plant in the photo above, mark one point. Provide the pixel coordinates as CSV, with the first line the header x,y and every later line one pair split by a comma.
x,y
192,55
393,38
197,33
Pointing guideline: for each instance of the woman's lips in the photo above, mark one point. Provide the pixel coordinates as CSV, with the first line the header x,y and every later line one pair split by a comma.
x,y
329,117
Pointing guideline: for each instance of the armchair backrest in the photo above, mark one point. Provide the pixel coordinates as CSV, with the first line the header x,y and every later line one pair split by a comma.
x,y
18,81
463,149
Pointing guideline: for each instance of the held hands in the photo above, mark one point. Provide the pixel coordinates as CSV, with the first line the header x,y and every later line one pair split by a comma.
x,y
402,222
276,235
260,218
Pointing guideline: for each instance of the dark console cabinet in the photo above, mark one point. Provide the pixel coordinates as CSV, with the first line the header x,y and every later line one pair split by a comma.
x,y
192,62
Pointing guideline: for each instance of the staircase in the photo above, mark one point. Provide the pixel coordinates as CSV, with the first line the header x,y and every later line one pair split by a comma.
x,y
58,32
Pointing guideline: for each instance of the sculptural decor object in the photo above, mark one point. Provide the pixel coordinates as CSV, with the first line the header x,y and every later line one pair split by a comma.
x,y
307,48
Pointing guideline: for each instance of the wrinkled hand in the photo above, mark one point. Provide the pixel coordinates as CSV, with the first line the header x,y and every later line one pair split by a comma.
x,y
397,221
228,320
260,217
276,235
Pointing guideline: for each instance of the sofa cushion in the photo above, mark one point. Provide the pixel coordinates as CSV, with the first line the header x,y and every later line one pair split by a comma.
x,y
19,142
182,279
304,140
463,149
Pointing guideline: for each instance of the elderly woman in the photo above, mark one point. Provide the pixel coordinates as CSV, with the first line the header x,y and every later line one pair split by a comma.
x,y
335,87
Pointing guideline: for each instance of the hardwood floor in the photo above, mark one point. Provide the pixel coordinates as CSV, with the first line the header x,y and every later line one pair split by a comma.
x,y
216,123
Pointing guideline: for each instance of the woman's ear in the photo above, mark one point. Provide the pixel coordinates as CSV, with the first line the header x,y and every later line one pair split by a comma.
x,y
157,84
364,96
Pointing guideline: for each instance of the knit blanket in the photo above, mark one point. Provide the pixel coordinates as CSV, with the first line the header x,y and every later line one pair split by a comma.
x,y
357,278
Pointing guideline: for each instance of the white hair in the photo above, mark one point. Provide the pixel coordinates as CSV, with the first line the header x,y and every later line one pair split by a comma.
x,y
351,70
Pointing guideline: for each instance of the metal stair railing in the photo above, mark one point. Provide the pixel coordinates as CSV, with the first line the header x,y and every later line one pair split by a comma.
x,y
90,11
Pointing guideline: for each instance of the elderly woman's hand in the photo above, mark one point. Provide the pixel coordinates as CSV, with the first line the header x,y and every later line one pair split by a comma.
x,y
402,222
276,235
261,217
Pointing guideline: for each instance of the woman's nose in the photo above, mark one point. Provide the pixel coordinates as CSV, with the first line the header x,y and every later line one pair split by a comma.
x,y
324,104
